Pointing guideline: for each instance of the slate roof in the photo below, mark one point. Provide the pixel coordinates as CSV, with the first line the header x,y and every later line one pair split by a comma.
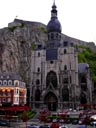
x,y
10,75
83,67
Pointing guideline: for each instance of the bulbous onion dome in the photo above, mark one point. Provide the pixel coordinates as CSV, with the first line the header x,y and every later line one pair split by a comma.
x,y
54,24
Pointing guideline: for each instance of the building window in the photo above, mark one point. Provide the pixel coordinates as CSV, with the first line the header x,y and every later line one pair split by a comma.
x,y
17,99
17,91
57,36
65,67
5,82
37,82
10,82
71,44
0,82
9,94
52,36
1,77
38,54
4,94
65,80
51,62
38,69
3,100
9,100
65,43
65,51
7,77
16,84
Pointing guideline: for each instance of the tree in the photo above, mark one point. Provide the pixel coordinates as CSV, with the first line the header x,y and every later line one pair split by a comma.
x,y
25,117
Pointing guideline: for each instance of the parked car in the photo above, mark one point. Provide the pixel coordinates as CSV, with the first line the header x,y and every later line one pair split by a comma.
x,y
75,121
55,125
68,121
61,121
82,126
81,122
64,126
4,123
33,126
44,126
93,123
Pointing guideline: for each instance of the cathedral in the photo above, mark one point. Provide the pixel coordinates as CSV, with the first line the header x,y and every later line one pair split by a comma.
x,y
58,81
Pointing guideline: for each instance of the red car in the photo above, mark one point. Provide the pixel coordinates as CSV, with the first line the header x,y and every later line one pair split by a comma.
x,y
54,125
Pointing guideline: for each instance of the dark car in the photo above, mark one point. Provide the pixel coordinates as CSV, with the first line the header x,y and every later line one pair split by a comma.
x,y
4,123
75,121
68,121
44,126
33,126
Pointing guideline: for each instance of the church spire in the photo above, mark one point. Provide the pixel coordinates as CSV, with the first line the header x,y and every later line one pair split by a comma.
x,y
54,28
54,2
54,11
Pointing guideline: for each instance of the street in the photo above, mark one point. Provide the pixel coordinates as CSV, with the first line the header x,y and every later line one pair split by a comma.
x,y
23,125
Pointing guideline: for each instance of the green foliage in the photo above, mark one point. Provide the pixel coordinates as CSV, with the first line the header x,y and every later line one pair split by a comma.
x,y
43,30
81,58
33,46
31,114
21,25
26,115
52,117
12,28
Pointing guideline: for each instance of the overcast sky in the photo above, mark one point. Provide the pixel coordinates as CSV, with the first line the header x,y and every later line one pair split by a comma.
x,y
77,17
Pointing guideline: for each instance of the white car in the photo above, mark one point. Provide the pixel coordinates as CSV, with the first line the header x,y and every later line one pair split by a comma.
x,y
93,123
64,126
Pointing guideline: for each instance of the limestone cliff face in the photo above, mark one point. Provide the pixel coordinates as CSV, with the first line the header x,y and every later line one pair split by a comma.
x,y
17,42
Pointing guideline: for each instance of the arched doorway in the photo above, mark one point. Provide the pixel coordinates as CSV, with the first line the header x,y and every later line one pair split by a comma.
x,y
51,78
51,101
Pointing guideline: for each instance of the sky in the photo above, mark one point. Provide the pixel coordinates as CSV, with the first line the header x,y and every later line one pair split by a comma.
x,y
77,17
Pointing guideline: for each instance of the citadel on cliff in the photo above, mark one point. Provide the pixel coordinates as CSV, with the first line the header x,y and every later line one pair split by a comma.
x,y
47,62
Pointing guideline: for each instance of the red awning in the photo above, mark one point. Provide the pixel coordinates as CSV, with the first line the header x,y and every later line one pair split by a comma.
x,y
15,108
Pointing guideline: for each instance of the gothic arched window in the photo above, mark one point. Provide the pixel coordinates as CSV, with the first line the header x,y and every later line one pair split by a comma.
x,y
65,94
38,69
38,54
65,67
51,79
52,36
37,82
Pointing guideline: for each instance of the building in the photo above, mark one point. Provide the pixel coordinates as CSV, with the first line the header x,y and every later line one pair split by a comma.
x,y
56,80
85,83
12,89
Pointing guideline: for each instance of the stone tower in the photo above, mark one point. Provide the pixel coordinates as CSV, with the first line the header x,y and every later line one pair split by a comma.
x,y
54,70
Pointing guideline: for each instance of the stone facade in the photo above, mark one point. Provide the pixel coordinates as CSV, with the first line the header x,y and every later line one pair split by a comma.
x,y
56,79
